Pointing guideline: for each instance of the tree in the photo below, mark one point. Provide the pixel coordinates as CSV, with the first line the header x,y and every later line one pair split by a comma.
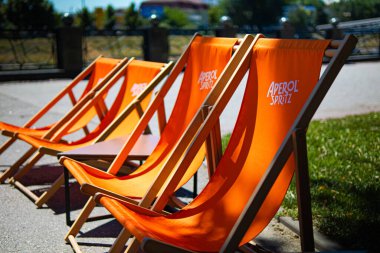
x,y
214,14
2,15
110,17
300,19
248,12
175,17
320,16
132,19
30,14
86,18
356,9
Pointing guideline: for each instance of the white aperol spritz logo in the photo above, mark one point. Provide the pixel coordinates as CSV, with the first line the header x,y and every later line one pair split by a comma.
x,y
207,79
281,93
137,88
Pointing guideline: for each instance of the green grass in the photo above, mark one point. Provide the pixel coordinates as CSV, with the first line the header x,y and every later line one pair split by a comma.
x,y
344,161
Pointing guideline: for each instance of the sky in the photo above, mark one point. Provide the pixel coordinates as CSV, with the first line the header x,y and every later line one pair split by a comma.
x,y
73,6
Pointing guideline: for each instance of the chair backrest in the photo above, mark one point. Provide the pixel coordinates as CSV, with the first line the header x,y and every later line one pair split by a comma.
x,y
274,176
100,70
139,78
138,75
282,75
204,60
283,79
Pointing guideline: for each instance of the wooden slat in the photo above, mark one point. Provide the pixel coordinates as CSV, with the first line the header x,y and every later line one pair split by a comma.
x,y
26,191
303,190
161,117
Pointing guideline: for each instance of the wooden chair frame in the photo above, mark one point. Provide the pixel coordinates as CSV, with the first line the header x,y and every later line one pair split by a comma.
x,y
68,90
240,52
59,124
295,141
97,97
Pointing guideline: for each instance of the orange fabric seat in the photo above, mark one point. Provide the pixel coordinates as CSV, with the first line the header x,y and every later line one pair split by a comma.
x,y
282,76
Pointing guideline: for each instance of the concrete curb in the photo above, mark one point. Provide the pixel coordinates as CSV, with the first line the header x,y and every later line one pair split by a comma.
x,y
322,242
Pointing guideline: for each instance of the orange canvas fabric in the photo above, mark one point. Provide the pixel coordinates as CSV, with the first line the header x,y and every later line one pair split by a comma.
x,y
207,59
137,76
282,75
101,68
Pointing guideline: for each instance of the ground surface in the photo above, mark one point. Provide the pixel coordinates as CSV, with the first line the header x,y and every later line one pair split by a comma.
x,y
23,228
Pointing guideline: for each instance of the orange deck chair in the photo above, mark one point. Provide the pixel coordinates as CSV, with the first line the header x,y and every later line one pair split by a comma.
x,y
267,145
133,97
207,61
98,73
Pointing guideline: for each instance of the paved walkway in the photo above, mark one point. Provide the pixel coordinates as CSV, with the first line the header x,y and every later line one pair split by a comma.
x,y
24,228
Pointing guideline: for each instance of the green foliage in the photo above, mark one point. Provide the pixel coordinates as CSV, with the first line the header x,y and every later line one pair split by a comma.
x,y
86,18
110,17
214,14
247,12
225,140
174,17
356,9
301,19
344,165
3,20
344,160
132,19
30,14
321,16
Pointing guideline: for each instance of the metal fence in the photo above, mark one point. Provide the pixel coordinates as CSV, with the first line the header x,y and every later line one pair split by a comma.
x,y
20,50
368,46
128,43
27,50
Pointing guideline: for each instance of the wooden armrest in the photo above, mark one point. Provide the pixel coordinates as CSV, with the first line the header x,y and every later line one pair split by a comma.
x,y
127,202
93,190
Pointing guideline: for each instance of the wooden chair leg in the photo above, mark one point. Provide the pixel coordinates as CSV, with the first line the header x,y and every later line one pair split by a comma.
x,y
303,191
120,242
52,190
7,144
25,190
13,169
27,167
74,244
133,247
67,196
81,219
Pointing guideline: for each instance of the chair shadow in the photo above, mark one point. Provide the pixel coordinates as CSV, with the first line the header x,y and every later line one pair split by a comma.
x,y
43,176
110,229
355,232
